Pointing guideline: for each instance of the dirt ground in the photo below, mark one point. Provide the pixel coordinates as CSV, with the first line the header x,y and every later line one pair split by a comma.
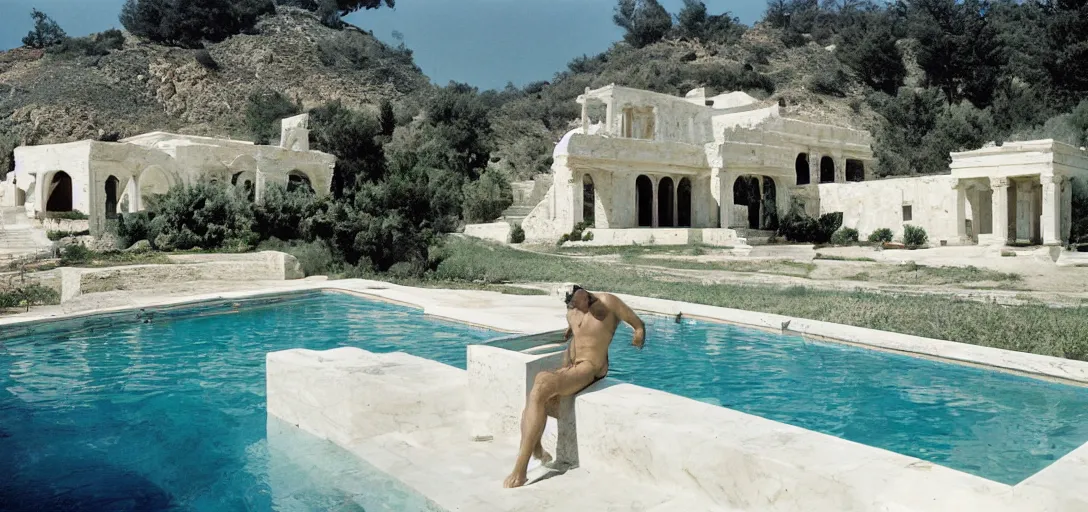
x,y
979,273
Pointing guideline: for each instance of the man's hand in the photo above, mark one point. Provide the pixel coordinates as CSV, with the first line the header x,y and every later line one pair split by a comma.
x,y
640,339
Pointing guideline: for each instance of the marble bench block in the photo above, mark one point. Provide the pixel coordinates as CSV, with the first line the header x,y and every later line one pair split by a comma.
x,y
348,394
746,462
499,381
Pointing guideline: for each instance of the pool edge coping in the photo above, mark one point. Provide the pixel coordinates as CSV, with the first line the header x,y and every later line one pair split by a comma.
x,y
1047,368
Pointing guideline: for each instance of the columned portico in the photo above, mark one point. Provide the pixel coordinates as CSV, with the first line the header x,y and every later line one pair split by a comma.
x,y
1000,210
1052,209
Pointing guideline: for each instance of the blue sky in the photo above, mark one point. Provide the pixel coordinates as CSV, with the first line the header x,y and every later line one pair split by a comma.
x,y
482,42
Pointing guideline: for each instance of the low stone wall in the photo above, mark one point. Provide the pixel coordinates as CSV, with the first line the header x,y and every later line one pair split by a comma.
x,y
261,266
74,226
495,231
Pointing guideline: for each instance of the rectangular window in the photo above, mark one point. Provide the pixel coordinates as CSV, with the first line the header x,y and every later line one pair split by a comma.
x,y
908,215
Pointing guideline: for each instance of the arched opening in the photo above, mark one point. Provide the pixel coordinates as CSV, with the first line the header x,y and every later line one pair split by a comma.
x,y
111,197
153,183
683,203
665,202
234,178
769,215
827,170
588,200
801,168
60,193
251,192
746,193
296,180
855,170
644,201
20,197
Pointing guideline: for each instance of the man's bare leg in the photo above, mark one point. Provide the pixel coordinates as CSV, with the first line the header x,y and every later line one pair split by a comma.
x,y
546,386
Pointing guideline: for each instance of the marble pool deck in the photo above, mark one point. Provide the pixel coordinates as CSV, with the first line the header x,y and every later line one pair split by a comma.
x,y
640,449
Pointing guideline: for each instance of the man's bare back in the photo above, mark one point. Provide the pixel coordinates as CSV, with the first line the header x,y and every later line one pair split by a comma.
x,y
592,320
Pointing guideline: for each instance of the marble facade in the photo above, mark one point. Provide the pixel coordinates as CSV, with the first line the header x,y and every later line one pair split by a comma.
x,y
101,179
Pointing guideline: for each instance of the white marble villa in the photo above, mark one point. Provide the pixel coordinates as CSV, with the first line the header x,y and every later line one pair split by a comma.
x,y
646,167
101,179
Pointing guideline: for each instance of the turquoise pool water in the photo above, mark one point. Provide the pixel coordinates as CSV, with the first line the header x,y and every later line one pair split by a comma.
x,y
170,415
996,425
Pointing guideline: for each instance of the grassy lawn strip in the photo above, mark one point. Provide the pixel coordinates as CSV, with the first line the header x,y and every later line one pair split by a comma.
x,y
1036,329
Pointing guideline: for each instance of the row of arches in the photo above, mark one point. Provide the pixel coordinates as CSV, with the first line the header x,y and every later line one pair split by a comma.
x,y
671,198
153,181
855,169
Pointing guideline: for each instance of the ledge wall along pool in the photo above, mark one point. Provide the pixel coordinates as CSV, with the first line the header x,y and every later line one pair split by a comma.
x,y
170,414
992,424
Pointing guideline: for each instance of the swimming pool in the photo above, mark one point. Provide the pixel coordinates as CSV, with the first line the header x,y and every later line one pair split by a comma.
x,y
170,415
992,424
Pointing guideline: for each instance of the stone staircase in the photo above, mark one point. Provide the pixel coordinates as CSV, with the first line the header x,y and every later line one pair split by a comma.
x,y
18,236
754,236
527,194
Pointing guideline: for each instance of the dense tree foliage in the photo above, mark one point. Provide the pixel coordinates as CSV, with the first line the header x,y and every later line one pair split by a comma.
x,y
644,21
188,23
264,111
693,22
46,32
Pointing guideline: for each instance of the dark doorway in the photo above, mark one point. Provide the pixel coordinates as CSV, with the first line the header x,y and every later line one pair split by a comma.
x,y
801,168
665,203
298,181
855,170
683,203
644,201
746,193
111,197
588,201
827,170
769,215
60,193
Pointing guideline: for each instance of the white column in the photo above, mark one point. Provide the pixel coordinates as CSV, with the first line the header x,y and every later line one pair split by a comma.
x,y
1000,213
1052,209
725,197
585,113
840,169
656,185
1067,208
961,211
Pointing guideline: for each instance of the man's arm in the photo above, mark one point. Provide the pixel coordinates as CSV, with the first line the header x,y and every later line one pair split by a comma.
x,y
628,316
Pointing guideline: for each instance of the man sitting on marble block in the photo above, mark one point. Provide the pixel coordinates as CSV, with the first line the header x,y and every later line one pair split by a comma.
x,y
592,321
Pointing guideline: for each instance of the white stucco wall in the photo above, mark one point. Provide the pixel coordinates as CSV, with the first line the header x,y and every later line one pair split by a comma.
x,y
871,205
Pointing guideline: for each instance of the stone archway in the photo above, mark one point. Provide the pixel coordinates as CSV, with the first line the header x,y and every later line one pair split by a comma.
x,y
298,180
683,203
154,181
644,201
855,170
111,187
746,193
589,201
665,202
800,166
59,193
827,170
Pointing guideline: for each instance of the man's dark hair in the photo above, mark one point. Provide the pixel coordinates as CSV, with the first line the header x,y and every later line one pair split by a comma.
x,y
573,290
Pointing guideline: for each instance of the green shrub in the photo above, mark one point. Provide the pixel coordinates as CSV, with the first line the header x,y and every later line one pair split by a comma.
x,y
205,215
287,214
264,110
188,23
72,215
46,32
882,235
587,236
486,198
205,59
914,236
91,46
133,227
563,239
55,235
798,227
75,254
517,234
845,236
27,296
